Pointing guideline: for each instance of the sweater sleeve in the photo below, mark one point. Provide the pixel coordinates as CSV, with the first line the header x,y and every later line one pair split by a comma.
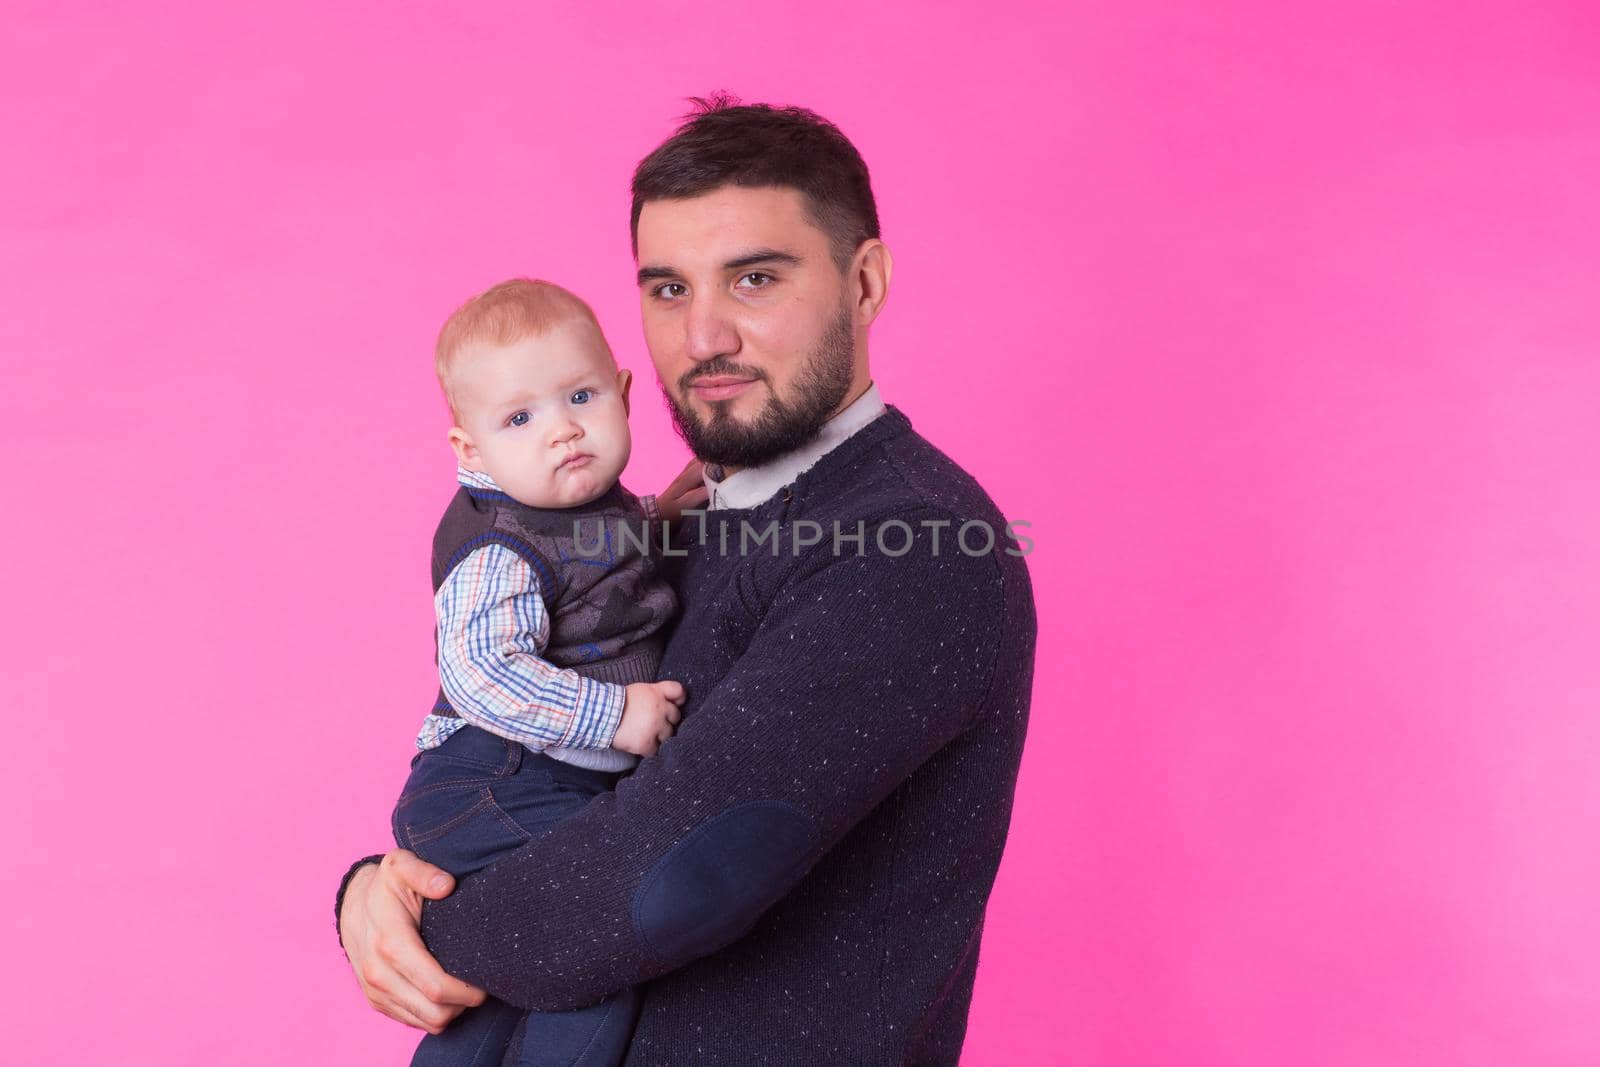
x,y
861,669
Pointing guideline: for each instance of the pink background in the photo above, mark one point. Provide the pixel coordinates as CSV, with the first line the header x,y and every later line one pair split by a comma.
x,y
1278,323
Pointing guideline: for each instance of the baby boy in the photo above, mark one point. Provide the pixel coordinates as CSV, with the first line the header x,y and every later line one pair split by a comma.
x,y
551,619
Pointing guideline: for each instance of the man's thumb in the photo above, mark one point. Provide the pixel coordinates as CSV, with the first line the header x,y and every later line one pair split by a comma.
x,y
420,875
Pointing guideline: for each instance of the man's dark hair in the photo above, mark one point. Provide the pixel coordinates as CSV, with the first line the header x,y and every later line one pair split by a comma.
x,y
724,142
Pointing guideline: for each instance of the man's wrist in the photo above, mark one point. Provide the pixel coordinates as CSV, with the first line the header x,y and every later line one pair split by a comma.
x,y
344,884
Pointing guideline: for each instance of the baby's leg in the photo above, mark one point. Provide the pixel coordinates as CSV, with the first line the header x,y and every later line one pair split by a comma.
x,y
467,803
451,811
596,1036
478,1038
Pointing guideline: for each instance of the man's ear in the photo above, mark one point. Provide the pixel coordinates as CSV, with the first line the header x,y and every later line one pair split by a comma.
x,y
624,383
872,267
466,452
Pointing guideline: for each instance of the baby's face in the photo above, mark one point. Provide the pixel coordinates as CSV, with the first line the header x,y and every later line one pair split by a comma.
x,y
546,417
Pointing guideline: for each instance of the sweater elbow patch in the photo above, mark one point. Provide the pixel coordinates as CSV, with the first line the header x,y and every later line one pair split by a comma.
x,y
715,883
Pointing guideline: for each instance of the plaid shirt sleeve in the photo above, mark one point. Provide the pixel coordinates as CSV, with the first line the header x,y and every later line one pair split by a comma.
x,y
493,628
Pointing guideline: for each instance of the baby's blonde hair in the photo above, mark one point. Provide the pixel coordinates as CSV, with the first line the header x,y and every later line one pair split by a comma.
x,y
503,315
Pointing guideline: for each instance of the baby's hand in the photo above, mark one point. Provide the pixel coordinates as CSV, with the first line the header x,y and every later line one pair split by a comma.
x,y
649,716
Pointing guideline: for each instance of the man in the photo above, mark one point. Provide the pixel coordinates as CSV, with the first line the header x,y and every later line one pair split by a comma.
x,y
835,803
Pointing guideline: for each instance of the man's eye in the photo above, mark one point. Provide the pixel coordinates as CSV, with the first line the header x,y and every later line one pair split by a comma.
x,y
671,290
582,396
519,419
755,280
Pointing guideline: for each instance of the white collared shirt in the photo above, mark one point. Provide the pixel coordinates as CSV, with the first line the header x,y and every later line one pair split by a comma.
x,y
755,485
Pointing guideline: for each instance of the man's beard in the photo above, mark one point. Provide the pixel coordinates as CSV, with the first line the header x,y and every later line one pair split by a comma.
x,y
782,425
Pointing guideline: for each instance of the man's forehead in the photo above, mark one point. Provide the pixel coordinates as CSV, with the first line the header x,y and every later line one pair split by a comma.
x,y
724,222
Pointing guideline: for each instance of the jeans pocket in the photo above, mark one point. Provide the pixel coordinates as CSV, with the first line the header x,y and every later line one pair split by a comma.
x,y
458,826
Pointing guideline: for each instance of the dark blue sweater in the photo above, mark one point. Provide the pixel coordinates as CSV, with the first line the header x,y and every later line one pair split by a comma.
x,y
834,805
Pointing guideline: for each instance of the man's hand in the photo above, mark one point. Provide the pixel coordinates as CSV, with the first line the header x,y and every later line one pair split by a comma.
x,y
649,716
378,925
686,493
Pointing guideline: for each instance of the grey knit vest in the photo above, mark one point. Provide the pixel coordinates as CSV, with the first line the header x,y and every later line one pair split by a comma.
x,y
608,607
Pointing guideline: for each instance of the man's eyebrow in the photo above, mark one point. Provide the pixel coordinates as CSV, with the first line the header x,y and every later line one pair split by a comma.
x,y
753,258
762,255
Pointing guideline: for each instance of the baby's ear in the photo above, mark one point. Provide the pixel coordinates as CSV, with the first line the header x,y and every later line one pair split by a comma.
x,y
466,452
624,383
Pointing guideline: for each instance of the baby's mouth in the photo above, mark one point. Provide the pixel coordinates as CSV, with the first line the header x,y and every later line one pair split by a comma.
x,y
577,459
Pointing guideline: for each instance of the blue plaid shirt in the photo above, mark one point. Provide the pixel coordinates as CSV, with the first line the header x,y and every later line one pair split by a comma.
x,y
492,631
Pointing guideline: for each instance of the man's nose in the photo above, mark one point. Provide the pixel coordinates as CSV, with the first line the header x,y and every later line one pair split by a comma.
x,y
711,332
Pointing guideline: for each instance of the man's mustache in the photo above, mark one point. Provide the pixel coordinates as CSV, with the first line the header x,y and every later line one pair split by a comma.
x,y
716,367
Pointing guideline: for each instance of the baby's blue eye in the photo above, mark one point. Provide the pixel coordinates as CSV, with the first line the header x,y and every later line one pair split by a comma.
x,y
519,419
582,396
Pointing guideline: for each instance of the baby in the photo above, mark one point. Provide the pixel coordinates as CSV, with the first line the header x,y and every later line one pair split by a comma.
x,y
551,620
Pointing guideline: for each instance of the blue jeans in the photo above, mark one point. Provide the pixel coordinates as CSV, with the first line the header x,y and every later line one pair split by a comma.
x,y
467,803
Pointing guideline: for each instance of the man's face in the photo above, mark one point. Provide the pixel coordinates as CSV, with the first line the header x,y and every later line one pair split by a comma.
x,y
748,321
